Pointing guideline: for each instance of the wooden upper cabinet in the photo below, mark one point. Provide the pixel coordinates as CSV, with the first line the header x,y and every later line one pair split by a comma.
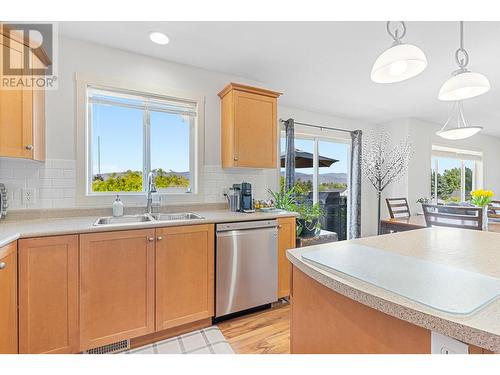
x,y
8,299
184,275
116,286
22,112
286,240
48,295
249,127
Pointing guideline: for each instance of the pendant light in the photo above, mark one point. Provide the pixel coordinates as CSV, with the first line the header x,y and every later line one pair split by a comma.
x,y
401,61
461,130
463,84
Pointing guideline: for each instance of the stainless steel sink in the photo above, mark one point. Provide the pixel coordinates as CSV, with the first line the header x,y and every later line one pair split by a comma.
x,y
126,219
177,216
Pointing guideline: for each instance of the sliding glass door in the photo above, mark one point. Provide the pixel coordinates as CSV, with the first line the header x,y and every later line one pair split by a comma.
x,y
321,176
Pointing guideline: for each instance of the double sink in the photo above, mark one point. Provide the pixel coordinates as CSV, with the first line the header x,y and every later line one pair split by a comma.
x,y
146,218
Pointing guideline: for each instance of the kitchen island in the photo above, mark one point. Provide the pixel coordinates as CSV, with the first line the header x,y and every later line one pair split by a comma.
x,y
334,311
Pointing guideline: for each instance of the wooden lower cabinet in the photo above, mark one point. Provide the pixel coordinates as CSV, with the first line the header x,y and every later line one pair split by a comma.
x,y
184,275
286,240
116,286
48,295
8,299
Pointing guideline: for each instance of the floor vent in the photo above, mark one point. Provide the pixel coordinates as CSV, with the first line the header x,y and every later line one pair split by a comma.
x,y
115,347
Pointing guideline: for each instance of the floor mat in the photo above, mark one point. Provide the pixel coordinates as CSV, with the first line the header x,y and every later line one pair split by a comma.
x,y
205,341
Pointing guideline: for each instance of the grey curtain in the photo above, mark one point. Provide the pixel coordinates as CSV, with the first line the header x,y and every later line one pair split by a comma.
x,y
355,186
290,154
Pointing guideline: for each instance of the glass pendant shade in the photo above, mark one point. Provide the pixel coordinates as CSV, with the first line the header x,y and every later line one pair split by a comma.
x,y
456,134
464,86
398,63
461,130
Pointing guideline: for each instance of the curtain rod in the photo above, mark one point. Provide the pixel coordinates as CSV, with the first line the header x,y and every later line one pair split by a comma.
x,y
318,126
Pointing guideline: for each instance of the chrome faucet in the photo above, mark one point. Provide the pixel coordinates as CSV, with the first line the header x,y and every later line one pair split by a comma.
x,y
151,190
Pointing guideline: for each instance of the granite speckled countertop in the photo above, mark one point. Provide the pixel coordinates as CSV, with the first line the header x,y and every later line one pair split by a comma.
x,y
470,250
14,229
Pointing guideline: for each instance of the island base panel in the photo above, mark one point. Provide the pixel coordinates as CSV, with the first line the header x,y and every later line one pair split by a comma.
x,y
324,321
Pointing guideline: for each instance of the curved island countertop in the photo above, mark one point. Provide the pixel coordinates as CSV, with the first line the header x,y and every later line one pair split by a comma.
x,y
470,250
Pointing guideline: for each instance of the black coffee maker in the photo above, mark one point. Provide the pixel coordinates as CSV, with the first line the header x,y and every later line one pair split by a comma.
x,y
246,204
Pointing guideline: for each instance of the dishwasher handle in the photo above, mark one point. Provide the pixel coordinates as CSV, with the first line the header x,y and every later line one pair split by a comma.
x,y
246,232
244,225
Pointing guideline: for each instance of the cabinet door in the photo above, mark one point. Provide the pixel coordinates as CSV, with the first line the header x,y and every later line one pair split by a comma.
x,y
8,299
255,130
16,133
286,240
116,286
48,295
184,275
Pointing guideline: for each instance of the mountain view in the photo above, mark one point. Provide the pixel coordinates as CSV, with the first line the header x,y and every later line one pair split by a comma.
x,y
339,178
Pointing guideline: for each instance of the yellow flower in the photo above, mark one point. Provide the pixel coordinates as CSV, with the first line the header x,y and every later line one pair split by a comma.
x,y
482,193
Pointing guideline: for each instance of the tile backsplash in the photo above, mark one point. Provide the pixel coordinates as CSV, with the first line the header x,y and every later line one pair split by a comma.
x,y
54,182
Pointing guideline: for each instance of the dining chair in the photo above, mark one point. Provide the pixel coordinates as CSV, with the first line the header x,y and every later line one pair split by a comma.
x,y
458,217
398,207
494,210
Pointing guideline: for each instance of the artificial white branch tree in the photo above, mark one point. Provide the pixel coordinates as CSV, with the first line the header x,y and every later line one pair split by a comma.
x,y
382,164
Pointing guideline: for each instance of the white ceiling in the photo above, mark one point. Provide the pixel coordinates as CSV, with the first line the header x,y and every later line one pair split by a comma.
x,y
323,66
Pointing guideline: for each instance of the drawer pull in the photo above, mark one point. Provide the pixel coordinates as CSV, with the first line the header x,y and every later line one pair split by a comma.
x,y
29,147
3,265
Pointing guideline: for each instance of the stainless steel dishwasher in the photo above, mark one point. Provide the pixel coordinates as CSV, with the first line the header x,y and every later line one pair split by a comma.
x,y
246,266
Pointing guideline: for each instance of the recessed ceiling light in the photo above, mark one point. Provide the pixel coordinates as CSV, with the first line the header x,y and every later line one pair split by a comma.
x,y
159,38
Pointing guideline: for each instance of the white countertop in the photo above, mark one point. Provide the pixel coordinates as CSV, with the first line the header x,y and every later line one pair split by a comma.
x,y
473,251
13,230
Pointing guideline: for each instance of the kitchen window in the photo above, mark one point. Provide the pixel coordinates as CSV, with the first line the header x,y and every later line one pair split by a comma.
x,y
454,174
131,134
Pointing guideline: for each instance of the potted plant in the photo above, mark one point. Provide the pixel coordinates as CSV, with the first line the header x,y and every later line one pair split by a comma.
x,y
308,221
424,200
284,199
482,198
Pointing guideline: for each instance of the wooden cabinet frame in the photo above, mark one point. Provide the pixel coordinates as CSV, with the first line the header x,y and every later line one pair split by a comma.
x,y
48,295
8,301
286,240
194,284
249,127
23,117
117,324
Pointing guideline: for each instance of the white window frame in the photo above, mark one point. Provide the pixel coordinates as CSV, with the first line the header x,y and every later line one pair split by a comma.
x,y
84,194
462,156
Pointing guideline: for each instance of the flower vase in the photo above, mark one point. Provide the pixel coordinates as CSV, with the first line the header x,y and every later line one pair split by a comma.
x,y
485,217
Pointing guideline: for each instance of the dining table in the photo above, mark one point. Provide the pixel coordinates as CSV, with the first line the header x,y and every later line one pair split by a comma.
x,y
401,224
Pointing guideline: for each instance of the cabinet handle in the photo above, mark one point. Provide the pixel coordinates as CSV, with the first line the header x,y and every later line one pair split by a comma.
x,y
29,147
151,239
159,238
280,226
3,265
235,158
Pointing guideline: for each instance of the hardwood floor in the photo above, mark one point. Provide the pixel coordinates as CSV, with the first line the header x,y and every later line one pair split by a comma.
x,y
264,332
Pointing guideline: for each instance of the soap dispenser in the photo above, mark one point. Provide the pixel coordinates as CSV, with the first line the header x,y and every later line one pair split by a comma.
x,y
117,207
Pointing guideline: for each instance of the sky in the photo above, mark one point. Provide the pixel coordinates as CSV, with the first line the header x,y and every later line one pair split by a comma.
x,y
121,135
450,163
